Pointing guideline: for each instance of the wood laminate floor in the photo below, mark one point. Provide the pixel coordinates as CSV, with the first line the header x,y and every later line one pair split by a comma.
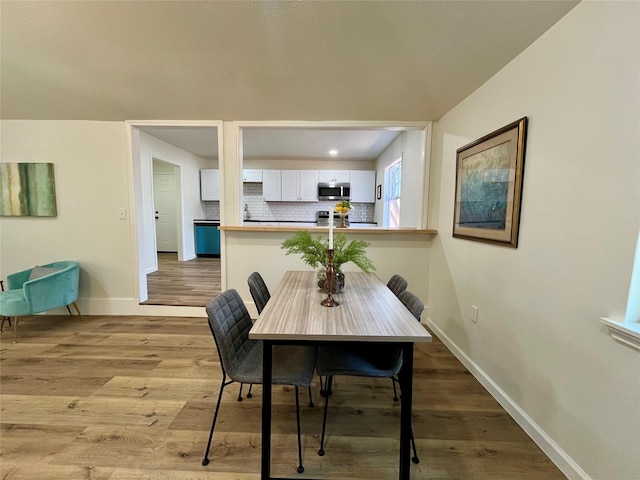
x,y
192,283
132,398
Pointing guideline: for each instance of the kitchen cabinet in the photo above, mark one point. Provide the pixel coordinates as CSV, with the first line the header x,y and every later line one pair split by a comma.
x,y
334,176
363,186
210,184
250,175
271,185
299,186
207,240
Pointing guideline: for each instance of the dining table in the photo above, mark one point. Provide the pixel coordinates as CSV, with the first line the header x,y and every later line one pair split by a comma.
x,y
367,311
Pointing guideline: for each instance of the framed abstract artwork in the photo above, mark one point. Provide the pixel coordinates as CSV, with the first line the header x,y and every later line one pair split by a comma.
x,y
27,189
489,186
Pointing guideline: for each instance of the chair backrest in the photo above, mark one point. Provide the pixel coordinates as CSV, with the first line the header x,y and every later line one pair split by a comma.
x,y
397,284
55,286
413,303
230,323
259,291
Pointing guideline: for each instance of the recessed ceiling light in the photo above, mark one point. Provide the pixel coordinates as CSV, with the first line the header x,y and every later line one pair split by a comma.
x,y
333,152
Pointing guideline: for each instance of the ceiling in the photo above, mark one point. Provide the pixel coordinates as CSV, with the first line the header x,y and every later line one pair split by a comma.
x,y
257,60
282,143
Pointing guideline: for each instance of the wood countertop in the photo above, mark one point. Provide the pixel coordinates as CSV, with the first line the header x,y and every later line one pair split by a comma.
x,y
314,229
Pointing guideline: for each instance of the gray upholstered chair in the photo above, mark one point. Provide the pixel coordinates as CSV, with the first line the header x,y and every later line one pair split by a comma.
x,y
397,284
259,291
416,307
39,289
241,357
260,294
364,360
413,303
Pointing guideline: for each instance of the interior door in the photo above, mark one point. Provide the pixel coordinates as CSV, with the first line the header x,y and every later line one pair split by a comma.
x,y
164,200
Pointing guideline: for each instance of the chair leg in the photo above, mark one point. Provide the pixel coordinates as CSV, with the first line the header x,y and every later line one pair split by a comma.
x,y
249,394
240,392
415,458
8,319
205,461
75,305
15,330
300,467
310,398
324,420
324,388
395,394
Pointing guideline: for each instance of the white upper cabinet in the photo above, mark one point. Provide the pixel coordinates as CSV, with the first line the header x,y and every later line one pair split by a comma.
x,y
271,185
308,185
363,186
210,184
334,176
250,175
299,185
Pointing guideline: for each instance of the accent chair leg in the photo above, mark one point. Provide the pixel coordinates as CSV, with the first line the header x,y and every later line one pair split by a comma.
x,y
15,330
8,319
75,305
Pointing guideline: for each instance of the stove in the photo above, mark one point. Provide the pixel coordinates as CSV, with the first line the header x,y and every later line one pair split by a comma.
x,y
322,218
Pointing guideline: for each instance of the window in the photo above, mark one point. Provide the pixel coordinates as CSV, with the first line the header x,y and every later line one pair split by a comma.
x,y
628,332
633,304
393,187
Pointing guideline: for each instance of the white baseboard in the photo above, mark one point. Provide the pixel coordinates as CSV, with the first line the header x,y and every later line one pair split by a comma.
x,y
556,454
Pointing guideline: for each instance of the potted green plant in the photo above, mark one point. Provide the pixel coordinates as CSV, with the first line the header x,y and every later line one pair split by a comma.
x,y
314,253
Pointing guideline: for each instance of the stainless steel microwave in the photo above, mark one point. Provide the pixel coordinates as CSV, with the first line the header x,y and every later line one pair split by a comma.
x,y
334,191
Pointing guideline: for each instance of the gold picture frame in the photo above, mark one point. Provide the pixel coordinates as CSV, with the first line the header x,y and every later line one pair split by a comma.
x,y
489,174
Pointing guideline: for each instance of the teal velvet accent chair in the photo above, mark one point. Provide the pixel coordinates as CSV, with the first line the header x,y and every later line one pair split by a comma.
x,y
39,289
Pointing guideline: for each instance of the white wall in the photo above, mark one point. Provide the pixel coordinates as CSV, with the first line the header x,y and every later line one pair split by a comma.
x,y
539,344
406,254
191,206
410,146
92,179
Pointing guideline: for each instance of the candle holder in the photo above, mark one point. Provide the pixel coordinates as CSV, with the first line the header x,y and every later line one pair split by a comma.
x,y
330,301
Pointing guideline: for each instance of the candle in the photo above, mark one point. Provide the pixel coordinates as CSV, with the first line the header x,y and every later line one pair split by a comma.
x,y
331,232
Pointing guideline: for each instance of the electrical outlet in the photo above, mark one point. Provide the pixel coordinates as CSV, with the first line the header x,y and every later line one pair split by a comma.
x,y
474,314
122,213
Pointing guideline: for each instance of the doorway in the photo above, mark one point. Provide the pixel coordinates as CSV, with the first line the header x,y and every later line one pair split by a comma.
x,y
167,160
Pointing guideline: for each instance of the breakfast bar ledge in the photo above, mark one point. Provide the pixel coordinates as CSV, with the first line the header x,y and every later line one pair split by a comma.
x,y
312,229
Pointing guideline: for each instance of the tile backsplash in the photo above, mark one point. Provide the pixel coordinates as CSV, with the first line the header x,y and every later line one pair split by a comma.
x,y
212,210
296,211
283,211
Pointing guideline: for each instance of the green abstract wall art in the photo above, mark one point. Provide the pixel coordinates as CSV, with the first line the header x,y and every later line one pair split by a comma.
x,y
27,189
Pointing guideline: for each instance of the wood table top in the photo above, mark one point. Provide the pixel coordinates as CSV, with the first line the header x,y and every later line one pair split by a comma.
x,y
368,312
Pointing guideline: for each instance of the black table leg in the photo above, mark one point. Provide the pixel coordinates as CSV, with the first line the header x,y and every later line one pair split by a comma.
x,y
406,388
266,410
